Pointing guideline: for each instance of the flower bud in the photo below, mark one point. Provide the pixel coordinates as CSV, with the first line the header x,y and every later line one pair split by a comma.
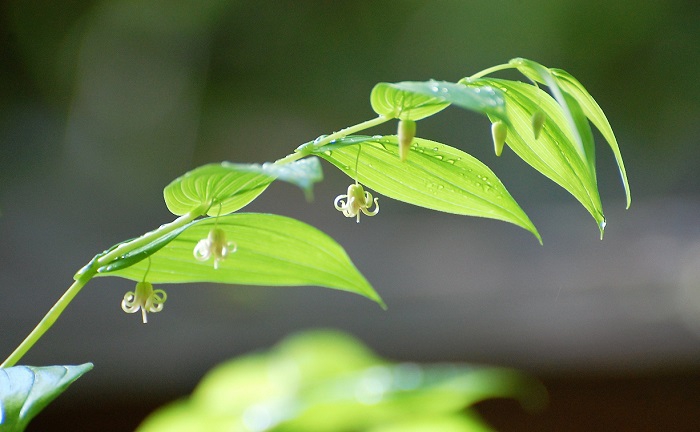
x,y
537,122
406,132
499,131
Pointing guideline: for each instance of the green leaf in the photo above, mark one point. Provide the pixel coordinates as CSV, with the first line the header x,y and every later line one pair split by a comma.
x,y
595,114
584,130
554,153
540,73
271,250
435,176
412,100
26,390
134,256
390,101
327,381
303,173
227,187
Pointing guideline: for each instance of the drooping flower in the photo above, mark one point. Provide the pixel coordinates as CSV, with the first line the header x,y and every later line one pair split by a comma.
x,y
144,298
356,201
215,245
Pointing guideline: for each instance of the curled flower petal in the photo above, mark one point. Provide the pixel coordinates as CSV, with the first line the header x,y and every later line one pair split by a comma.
x,y
355,202
145,299
201,251
215,245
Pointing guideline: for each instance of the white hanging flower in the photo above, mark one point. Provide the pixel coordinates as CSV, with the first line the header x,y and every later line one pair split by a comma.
x,y
144,298
215,245
357,201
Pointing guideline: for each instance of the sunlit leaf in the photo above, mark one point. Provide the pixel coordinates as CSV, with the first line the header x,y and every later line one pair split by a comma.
x,y
554,153
414,100
26,390
542,74
227,187
435,176
391,101
595,114
272,250
132,257
303,173
584,130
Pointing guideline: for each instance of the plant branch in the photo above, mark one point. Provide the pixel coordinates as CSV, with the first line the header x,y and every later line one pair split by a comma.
x,y
147,238
490,70
48,320
308,148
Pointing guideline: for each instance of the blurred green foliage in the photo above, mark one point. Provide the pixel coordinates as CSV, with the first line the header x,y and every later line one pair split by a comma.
x,y
322,381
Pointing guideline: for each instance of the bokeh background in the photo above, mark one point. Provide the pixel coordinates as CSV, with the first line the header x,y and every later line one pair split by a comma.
x,y
103,103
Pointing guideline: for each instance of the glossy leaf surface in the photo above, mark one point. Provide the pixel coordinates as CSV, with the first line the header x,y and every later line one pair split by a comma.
x,y
26,390
228,187
414,100
434,176
595,114
542,74
554,153
271,250
566,89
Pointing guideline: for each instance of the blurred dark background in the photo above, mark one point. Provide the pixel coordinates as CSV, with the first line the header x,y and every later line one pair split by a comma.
x,y
103,103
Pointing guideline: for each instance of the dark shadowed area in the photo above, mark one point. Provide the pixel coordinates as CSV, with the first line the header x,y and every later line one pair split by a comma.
x,y
103,103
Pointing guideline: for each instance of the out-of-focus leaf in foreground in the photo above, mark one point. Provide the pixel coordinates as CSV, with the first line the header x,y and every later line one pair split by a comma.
x,y
324,381
26,390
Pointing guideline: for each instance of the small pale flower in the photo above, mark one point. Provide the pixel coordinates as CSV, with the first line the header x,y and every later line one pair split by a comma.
x,y
144,298
215,245
356,201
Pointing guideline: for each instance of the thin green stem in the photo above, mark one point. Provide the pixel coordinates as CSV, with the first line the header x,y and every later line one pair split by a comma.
x,y
351,130
490,70
147,238
75,288
48,320
306,150
124,248
291,158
